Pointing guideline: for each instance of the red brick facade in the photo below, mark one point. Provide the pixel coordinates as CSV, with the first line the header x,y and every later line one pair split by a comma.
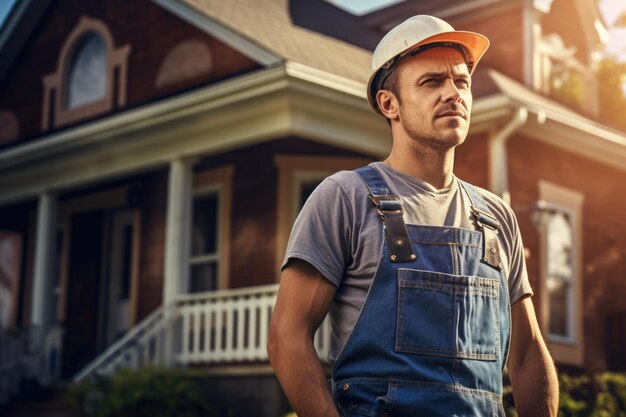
x,y
604,247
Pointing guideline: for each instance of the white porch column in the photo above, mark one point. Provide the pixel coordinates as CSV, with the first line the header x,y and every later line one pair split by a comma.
x,y
43,272
176,245
177,229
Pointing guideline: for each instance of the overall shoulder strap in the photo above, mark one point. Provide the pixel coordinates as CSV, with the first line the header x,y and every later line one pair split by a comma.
x,y
488,224
389,208
373,180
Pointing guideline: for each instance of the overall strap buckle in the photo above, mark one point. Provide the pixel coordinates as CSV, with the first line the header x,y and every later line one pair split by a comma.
x,y
389,208
491,246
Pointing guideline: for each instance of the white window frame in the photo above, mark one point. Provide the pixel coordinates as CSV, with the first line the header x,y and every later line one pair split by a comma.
x,y
55,84
206,258
215,181
571,307
556,198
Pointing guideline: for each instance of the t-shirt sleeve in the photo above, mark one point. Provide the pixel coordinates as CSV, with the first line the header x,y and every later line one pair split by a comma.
x,y
511,239
321,232
519,284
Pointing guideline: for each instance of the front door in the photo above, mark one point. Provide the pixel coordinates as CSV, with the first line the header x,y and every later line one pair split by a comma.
x,y
116,300
102,271
83,293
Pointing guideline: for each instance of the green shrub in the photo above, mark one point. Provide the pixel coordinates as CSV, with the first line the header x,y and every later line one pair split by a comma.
x,y
600,395
148,392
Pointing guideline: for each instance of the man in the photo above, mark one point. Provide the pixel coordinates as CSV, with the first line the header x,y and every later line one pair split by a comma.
x,y
423,274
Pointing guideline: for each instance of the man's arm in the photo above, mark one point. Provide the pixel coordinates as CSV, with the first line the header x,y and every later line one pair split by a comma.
x,y
533,376
303,300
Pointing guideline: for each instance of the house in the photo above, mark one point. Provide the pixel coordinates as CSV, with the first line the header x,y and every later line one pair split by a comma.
x,y
154,153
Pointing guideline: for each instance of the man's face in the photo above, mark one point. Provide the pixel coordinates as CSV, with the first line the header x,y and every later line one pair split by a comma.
x,y
435,97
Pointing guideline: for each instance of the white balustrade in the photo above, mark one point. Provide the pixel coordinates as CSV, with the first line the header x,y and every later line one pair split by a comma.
x,y
226,327
142,346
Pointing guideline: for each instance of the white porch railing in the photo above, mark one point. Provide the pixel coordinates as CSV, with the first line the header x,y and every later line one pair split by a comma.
x,y
225,327
229,326
141,346
13,347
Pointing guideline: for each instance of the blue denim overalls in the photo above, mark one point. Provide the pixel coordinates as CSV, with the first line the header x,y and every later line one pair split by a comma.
x,y
432,337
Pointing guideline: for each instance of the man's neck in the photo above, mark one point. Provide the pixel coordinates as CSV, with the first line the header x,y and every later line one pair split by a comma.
x,y
432,166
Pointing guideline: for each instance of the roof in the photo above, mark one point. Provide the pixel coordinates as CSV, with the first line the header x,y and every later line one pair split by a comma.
x,y
268,24
521,94
551,122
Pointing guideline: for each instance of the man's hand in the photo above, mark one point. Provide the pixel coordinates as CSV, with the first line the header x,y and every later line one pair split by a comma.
x,y
533,376
303,300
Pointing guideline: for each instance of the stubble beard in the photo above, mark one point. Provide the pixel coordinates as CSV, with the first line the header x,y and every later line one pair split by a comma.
x,y
436,138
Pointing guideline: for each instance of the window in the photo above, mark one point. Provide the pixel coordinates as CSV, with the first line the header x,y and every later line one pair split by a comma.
x,y
561,75
205,242
87,75
90,78
210,230
560,220
560,277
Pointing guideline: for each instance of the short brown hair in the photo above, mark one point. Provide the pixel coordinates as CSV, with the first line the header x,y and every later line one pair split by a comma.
x,y
391,84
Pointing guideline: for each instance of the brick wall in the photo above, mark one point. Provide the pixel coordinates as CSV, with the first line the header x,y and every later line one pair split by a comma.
x,y
505,32
254,205
153,209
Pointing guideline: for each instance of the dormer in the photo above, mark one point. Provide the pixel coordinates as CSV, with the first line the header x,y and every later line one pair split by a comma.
x,y
567,39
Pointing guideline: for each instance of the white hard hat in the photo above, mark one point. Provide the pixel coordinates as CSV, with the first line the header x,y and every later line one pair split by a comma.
x,y
415,32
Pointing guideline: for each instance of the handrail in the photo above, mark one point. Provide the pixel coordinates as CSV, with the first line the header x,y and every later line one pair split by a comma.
x,y
119,344
228,293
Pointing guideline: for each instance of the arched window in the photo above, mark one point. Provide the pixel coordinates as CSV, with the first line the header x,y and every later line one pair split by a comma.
x,y
87,73
90,78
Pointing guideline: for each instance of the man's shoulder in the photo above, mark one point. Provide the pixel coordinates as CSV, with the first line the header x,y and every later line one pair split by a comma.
x,y
348,181
496,204
343,188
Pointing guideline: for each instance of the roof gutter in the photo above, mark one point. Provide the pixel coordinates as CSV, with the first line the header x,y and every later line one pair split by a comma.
x,y
498,166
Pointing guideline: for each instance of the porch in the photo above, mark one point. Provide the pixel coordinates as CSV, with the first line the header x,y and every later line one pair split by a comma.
x,y
225,331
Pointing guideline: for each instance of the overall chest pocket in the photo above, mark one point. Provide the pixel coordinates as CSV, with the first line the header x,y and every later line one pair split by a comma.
x,y
447,315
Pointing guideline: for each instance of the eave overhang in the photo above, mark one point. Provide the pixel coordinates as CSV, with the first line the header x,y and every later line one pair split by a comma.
x,y
288,100
565,130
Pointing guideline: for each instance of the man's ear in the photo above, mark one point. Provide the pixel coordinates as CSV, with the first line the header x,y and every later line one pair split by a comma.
x,y
388,104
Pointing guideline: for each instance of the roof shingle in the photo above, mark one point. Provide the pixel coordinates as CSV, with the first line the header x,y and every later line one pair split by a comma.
x,y
268,24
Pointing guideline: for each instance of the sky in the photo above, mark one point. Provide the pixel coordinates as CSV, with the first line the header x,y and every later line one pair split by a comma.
x,y
610,10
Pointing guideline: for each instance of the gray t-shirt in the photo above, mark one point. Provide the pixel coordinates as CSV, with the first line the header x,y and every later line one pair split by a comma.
x,y
340,233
